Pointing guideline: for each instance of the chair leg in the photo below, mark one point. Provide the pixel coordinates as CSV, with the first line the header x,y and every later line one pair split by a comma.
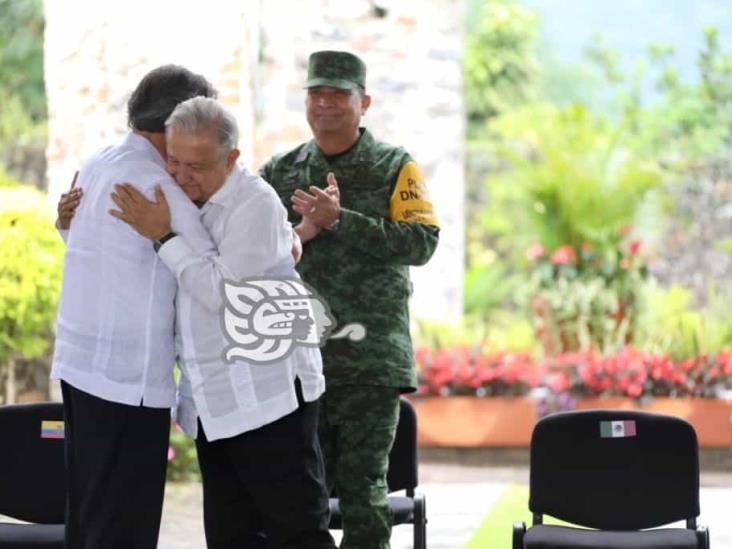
x,y
702,537
420,522
519,529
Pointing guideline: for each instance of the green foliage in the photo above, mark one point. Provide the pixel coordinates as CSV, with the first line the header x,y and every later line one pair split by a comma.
x,y
488,284
583,314
572,186
500,72
571,180
593,83
510,331
606,59
30,271
725,244
671,324
17,124
543,169
183,461
22,93
692,122
501,330
21,56
499,64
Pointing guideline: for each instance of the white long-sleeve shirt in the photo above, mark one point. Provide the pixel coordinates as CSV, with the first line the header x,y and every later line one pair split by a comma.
x,y
249,227
115,328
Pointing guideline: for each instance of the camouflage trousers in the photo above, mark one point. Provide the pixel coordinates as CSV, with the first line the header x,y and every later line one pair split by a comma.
x,y
357,428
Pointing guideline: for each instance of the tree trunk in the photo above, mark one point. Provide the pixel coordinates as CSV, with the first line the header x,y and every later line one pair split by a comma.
x,y
10,384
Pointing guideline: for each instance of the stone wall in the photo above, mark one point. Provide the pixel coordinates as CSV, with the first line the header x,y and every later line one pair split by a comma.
x,y
255,52
692,255
96,52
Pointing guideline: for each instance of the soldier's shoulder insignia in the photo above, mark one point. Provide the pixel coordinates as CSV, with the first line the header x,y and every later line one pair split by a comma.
x,y
410,201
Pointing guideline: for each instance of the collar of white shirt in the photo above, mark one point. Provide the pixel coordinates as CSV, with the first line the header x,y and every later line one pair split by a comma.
x,y
222,197
140,143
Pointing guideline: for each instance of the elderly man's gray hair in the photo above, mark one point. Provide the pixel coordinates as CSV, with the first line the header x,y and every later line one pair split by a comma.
x,y
202,114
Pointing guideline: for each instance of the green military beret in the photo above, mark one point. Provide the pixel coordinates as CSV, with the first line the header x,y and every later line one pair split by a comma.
x,y
338,69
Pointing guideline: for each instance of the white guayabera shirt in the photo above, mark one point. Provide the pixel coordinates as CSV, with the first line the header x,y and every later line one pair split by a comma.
x,y
249,227
115,328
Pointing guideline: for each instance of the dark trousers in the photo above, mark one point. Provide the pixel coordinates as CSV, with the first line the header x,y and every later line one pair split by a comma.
x,y
266,488
116,457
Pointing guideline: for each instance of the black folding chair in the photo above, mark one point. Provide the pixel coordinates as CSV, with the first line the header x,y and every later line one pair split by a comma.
x,y
617,474
402,475
32,476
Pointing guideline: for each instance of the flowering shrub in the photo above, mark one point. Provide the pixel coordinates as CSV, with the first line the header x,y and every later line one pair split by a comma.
x,y
585,297
463,370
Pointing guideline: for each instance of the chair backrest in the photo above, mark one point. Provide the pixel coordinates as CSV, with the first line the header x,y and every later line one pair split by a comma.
x,y
614,470
403,457
32,469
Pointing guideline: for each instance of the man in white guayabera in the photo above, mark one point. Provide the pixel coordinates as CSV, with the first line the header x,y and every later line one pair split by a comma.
x,y
115,344
255,423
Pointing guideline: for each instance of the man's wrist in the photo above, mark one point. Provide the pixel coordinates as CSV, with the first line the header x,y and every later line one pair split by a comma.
x,y
306,233
333,227
163,239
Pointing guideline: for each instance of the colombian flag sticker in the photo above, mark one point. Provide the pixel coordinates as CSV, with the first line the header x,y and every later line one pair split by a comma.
x,y
52,429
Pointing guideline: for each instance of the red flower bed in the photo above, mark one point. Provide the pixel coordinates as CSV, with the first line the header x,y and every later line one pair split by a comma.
x,y
637,373
464,370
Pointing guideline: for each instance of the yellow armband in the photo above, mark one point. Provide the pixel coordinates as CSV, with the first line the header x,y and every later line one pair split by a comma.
x,y
411,200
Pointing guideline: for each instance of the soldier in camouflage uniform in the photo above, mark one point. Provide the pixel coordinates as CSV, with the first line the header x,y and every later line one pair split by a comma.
x,y
363,212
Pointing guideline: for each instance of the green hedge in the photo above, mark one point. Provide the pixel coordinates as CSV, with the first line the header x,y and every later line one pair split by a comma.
x,y
31,255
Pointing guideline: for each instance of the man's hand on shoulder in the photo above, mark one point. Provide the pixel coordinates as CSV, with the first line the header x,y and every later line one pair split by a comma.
x,y
67,204
150,219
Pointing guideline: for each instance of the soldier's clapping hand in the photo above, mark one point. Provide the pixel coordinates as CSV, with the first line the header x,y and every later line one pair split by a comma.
x,y
322,207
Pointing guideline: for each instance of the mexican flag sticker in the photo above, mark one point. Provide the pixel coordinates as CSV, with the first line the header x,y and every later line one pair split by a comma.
x,y
617,429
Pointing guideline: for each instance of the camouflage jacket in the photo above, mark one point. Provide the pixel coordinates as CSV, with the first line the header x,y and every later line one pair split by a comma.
x,y
362,268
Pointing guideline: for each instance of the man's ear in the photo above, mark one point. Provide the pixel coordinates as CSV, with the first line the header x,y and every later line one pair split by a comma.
x,y
231,159
365,103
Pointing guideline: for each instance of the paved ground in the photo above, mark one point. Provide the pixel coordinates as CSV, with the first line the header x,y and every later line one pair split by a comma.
x,y
458,498
454,510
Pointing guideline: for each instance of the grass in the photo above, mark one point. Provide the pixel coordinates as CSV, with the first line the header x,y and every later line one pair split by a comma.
x,y
495,531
